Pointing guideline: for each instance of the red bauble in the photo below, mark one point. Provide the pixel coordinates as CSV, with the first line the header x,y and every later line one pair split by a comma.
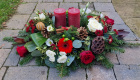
x,y
65,46
86,57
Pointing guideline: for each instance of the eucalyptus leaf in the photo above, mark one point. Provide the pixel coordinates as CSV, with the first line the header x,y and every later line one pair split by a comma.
x,y
30,46
77,44
53,19
70,59
49,63
38,39
36,53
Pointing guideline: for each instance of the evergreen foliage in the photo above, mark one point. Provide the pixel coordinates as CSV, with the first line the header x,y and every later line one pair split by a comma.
x,y
9,39
26,59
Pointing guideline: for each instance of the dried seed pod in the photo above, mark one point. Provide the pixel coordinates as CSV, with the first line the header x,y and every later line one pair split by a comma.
x,y
98,45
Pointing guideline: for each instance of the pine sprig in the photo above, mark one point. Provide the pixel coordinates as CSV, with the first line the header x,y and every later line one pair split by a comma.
x,y
23,33
63,69
132,44
9,39
26,59
105,62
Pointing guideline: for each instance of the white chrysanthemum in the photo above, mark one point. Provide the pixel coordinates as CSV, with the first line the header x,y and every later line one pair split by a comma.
x,y
62,59
50,28
50,53
94,25
62,53
42,16
52,59
102,16
36,18
49,42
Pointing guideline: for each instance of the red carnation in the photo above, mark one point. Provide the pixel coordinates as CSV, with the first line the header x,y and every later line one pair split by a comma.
x,y
86,57
65,46
110,39
105,29
89,17
99,32
110,21
116,31
21,51
31,22
27,29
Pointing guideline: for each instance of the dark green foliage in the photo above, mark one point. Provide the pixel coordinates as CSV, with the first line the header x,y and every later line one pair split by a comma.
x,y
26,59
39,61
9,39
63,69
83,21
24,35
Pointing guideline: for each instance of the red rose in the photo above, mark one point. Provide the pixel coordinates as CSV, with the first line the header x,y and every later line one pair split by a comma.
x,y
99,32
110,21
21,51
86,57
106,17
105,29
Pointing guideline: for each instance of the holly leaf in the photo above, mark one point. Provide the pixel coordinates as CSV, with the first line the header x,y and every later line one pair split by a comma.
x,y
30,46
38,39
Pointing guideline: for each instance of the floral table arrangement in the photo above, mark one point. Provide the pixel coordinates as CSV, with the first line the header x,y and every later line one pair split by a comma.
x,y
85,42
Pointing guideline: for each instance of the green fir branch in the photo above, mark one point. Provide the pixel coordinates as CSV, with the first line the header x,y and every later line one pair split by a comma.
x,y
105,62
26,59
9,39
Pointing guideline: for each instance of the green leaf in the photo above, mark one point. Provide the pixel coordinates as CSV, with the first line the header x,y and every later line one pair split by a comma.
x,y
36,53
30,46
70,59
38,39
49,63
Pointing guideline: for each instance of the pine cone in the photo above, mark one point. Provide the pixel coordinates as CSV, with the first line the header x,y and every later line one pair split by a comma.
x,y
82,33
109,27
49,14
45,33
98,45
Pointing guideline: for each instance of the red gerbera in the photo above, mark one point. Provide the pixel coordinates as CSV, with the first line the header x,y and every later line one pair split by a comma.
x,y
105,29
65,46
110,39
99,32
116,31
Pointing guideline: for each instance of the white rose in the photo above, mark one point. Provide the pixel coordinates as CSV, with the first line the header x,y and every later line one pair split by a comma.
x,y
102,16
62,59
52,59
49,42
50,28
87,11
42,16
94,25
62,53
50,53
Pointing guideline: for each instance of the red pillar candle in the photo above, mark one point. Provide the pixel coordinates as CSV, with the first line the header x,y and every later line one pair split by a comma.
x,y
74,17
60,17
